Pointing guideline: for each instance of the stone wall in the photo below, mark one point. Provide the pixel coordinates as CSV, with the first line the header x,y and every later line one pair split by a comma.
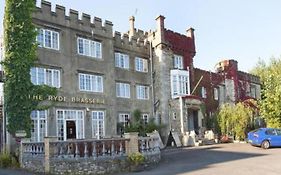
x,y
88,165
34,164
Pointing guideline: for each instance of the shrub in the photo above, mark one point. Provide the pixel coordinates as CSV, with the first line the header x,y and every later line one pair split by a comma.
x,y
136,158
7,160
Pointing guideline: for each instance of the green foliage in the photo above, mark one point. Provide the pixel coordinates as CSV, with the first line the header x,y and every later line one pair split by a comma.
x,y
7,160
270,75
234,120
212,123
137,124
20,55
136,158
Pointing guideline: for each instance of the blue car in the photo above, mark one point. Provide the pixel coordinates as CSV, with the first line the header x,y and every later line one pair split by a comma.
x,y
265,137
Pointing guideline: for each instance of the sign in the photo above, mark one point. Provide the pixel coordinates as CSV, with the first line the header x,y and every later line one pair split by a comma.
x,y
59,98
177,139
155,134
20,133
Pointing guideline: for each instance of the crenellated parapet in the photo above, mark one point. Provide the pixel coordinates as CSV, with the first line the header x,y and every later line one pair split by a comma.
x,y
58,18
123,41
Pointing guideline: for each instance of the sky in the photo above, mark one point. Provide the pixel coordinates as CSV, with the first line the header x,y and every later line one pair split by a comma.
x,y
243,30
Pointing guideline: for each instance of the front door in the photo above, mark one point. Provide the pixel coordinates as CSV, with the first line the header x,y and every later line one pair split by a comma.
x,y
70,130
195,121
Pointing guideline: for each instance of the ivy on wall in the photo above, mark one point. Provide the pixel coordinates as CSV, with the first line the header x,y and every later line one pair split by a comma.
x,y
20,55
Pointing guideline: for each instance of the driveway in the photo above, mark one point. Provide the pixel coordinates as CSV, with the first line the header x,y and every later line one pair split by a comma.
x,y
221,159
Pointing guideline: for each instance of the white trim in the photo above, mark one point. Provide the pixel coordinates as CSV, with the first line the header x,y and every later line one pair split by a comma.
x,y
182,81
92,48
76,119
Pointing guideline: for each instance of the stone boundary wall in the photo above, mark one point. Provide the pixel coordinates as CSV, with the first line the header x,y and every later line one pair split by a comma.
x,y
88,165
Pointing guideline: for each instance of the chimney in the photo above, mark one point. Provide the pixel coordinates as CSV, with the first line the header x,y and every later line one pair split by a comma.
x,y
190,32
132,26
160,23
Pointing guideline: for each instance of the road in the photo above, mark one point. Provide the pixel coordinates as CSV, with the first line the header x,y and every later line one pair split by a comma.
x,y
220,159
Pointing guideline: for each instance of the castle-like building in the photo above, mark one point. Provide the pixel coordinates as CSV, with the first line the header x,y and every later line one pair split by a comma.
x,y
103,76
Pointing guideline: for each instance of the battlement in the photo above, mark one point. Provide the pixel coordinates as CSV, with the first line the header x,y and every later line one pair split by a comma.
x,y
123,40
176,33
85,21
141,34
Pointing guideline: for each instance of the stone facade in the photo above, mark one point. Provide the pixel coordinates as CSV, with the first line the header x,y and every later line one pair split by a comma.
x,y
71,64
180,110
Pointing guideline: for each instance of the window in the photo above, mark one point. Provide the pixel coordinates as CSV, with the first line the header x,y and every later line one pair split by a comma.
x,y
179,83
141,64
38,125
89,48
122,60
48,39
145,118
97,124
70,115
142,92
253,91
92,83
123,90
124,119
216,94
203,92
40,76
178,62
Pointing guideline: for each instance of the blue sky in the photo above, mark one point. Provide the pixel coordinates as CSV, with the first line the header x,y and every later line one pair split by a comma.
x,y
244,30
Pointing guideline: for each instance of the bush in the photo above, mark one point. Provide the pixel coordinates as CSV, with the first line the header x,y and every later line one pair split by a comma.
x,y
137,124
136,158
7,160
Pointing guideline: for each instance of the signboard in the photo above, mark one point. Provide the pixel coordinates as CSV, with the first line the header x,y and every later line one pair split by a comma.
x,y
177,139
20,133
155,134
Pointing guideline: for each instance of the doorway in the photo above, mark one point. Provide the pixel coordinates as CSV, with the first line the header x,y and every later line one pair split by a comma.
x,y
70,129
193,120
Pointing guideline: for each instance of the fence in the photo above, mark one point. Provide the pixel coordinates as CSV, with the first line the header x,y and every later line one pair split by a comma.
x,y
91,155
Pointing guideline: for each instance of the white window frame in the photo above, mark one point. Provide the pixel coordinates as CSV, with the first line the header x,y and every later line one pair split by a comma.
x,y
90,82
145,118
37,73
42,40
39,134
90,48
141,65
203,92
123,90
178,62
142,92
98,126
122,60
216,94
253,90
124,118
180,83
63,115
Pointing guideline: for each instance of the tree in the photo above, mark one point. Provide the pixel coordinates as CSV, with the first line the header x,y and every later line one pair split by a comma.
x,y
234,120
270,75
20,55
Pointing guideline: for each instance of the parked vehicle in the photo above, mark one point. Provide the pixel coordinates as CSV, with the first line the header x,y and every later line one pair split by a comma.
x,y
265,137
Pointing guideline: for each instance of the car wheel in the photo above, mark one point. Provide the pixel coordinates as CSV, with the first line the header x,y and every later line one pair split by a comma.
x,y
265,144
